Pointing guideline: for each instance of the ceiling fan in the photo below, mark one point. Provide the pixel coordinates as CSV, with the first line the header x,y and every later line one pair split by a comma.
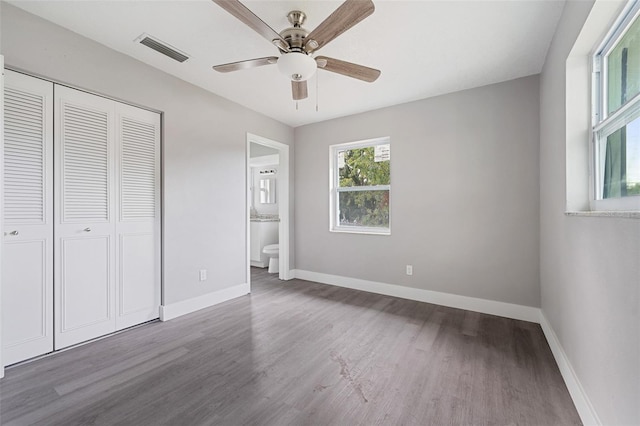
x,y
297,45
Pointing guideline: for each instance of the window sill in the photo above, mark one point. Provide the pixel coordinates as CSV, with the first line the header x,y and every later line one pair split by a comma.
x,y
619,214
363,231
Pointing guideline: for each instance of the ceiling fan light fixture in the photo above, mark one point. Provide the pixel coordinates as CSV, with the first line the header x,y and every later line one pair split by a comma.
x,y
297,66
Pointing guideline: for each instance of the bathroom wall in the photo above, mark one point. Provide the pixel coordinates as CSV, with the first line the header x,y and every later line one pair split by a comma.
x,y
262,158
265,208
464,195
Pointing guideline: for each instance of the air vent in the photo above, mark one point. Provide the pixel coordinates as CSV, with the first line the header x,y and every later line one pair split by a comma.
x,y
163,48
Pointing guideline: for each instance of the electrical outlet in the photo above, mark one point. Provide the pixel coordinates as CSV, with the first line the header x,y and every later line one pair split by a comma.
x,y
203,274
409,269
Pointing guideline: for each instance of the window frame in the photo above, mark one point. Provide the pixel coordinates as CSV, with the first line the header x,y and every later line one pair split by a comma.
x,y
335,190
604,123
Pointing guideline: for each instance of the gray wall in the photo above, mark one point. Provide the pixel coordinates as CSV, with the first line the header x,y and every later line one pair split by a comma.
x,y
204,147
590,266
464,197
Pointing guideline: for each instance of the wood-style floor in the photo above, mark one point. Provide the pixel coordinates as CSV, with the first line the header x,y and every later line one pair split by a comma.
x,y
298,352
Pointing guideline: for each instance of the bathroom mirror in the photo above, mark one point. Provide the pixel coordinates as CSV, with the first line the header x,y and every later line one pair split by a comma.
x,y
268,191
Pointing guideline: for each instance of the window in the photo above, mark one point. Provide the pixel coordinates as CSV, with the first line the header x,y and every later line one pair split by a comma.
x,y
616,116
360,183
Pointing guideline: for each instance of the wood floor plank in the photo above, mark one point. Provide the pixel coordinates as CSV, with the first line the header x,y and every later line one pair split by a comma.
x,y
103,387
298,353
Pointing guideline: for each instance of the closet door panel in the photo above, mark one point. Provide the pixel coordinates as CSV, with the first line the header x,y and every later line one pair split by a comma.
x,y
137,275
26,310
85,225
27,260
85,278
138,222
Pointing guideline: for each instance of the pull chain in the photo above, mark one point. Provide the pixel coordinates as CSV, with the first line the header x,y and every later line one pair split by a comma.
x,y
296,105
317,78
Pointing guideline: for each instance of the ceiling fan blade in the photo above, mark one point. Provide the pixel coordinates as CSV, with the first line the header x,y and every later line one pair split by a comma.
x,y
347,68
344,17
243,65
299,90
247,17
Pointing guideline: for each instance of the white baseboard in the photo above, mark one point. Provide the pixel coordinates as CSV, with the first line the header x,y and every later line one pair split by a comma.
x,y
580,399
174,310
492,307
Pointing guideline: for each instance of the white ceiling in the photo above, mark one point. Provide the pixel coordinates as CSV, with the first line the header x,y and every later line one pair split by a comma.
x,y
423,48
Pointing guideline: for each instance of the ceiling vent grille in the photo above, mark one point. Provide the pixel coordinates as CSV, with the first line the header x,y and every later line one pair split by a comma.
x,y
163,48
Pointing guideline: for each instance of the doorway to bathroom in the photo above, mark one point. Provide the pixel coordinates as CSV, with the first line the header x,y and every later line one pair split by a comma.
x,y
267,166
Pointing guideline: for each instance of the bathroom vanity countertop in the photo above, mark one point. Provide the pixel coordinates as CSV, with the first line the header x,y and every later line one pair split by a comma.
x,y
265,219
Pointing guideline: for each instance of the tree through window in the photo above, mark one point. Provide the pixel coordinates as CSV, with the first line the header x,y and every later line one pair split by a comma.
x,y
361,182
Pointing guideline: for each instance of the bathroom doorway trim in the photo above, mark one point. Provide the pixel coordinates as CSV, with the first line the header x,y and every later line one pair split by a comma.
x,y
282,192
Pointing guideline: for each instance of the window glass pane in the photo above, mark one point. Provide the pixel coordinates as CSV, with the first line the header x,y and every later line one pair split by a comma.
x,y
622,162
364,208
358,167
623,69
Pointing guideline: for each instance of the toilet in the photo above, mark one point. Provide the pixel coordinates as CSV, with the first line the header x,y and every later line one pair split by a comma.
x,y
273,251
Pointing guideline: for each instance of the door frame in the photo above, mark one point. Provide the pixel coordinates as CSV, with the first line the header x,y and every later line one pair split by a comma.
x,y
283,194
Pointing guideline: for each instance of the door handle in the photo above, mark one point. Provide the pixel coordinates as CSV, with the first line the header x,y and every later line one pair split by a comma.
x,y
13,233
87,229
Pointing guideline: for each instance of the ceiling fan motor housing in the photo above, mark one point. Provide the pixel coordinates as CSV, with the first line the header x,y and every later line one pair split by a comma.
x,y
295,35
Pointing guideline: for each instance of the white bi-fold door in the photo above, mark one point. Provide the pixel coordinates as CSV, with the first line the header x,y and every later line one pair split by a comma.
x,y
85,266
81,212
27,256
137,216
107,248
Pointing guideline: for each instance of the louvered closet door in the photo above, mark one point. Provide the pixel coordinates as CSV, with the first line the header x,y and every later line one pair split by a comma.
x,y
27,261
138,221
85,246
